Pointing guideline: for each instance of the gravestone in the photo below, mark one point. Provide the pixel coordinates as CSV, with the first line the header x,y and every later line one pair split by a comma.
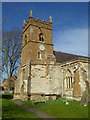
x,y
86,95
88,90
84,98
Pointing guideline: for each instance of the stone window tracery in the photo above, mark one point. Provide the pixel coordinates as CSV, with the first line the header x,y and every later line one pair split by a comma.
x,y
68,80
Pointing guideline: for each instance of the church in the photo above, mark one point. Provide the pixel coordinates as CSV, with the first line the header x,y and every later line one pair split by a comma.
x,y
44,73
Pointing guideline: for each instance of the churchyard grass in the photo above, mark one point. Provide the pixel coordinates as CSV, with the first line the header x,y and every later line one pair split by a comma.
x,y
12,111
59,109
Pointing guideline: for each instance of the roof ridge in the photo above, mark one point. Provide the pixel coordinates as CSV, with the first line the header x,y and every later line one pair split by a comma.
x,y
63,57
72,54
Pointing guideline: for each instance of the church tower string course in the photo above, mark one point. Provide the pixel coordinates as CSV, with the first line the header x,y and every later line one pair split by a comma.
x,y
37,44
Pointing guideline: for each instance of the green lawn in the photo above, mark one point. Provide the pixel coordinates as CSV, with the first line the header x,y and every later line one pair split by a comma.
x,y
11,110
58,109
55,108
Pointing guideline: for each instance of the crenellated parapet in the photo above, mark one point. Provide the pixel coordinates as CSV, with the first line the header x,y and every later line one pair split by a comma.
x,y
37,22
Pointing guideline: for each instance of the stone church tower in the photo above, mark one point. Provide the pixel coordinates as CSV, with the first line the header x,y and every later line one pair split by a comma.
x,y
37,43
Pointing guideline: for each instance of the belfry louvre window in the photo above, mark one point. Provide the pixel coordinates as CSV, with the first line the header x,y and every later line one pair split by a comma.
x,y
41,37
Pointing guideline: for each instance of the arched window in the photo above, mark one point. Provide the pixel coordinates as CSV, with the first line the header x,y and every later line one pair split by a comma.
x,y
68,80
41,37
39,55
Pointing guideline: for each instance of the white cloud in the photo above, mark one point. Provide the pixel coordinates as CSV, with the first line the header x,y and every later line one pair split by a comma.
x,y
72,41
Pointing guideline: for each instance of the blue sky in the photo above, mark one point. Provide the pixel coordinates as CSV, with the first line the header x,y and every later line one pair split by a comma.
x,y
70,22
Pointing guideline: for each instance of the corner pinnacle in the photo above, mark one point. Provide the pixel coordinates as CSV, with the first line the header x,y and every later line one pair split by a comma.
x,y
30,13
50,19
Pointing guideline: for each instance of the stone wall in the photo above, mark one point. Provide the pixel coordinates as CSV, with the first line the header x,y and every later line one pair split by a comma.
x,y
46,80
79,74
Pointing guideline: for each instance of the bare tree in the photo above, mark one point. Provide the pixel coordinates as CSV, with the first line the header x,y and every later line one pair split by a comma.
x,y
0,57
11,50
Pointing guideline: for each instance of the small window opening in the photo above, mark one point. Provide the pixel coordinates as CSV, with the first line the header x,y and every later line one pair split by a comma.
x,y
39,55
25,39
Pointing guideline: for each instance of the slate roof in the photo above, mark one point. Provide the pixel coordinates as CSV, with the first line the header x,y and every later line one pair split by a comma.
x,y
63,57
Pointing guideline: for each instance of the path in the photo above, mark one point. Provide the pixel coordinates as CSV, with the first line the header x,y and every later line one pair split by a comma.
x,y
33,110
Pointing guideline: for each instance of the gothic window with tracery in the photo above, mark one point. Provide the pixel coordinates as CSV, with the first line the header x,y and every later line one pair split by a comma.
x,y
68,80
